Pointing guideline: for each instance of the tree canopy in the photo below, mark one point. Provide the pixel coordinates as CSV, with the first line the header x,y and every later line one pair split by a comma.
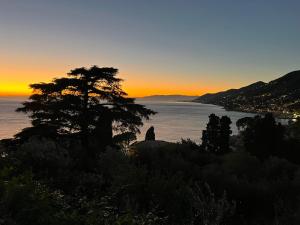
x,y
217,134
262,136
88,102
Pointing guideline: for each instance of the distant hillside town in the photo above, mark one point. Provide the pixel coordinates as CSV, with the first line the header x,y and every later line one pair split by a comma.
x,y
280,97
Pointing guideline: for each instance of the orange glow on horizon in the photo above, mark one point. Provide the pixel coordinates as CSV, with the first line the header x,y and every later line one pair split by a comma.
x,y
13,89
17,79
133,88
133,91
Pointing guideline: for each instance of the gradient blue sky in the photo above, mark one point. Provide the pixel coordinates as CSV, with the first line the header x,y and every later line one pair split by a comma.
x,y
160,47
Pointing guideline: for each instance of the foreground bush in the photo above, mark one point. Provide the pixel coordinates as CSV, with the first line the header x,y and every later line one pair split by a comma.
x,y
154,182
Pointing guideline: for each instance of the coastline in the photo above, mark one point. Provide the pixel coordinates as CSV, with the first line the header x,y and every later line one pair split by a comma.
x,y
278,115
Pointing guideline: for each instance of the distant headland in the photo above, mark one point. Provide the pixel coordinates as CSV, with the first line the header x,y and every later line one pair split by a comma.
x,y
175,98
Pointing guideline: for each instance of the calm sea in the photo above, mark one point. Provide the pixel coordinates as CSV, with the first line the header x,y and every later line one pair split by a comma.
x,y
173,121
10,121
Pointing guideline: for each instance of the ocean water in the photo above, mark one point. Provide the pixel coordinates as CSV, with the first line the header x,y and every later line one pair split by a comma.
x,y
11,122
182,120
173,121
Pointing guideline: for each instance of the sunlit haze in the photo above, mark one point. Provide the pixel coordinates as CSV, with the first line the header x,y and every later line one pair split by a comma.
x,y
160,47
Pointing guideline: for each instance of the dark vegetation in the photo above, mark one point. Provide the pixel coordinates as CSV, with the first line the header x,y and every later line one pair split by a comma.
x,y
75,164
280,96
87,106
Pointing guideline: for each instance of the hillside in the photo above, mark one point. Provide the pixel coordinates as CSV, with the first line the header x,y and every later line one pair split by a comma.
x,y
280,96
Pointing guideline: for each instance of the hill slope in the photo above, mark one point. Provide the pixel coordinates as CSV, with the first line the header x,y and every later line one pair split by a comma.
x,y
280,96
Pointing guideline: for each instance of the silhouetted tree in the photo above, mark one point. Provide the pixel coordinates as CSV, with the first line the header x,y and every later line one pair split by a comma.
x,y
210,135
89,102
244,122
150,134
217,134
225,133
262,136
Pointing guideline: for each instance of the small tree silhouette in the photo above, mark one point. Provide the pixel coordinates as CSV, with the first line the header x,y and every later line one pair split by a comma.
x,y
210,135
262,136
217,134
150,134
225,133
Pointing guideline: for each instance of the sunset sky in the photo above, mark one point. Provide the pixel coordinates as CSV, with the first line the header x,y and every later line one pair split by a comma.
x,y
160,46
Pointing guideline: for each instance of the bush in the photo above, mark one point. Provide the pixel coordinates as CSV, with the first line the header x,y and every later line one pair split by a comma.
x,y
26,202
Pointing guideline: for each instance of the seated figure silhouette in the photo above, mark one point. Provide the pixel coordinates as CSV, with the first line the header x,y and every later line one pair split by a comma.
x,y
150,135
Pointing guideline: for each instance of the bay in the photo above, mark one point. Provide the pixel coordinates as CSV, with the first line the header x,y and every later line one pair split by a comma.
x,y
184,120
173,121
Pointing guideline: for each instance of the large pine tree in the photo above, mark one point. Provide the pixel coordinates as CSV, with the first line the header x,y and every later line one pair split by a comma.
x,y
89,102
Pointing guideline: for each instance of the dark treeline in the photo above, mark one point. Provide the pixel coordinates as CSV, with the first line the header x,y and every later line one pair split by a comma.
x,y
78,164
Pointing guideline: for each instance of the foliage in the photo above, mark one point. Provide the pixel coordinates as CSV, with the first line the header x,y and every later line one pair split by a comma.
x,y
88,103
217,134
208,209
251,179
264,137
25,201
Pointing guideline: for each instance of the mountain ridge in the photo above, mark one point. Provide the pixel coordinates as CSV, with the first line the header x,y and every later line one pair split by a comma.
x,y
280,96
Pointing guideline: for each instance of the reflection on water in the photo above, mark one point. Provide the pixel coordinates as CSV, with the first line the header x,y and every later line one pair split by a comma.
x,y
176,120
10,121
173,121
